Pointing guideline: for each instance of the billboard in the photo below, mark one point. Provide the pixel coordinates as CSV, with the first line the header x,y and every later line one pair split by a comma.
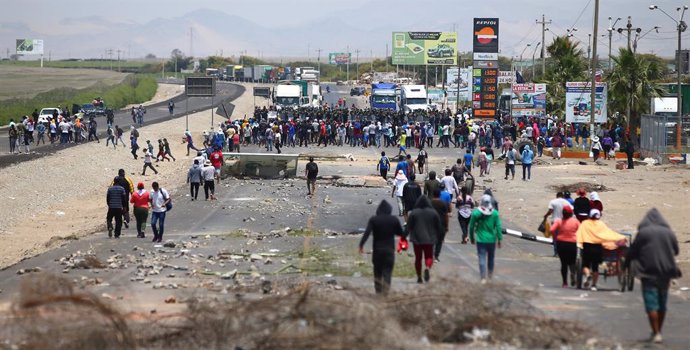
x,y
484,92
29,47
578,102
459,84
529,100
485,39
339,58
419,48
200,86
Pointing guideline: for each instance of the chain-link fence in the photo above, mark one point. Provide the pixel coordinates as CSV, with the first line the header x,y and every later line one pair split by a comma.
x,y
658,136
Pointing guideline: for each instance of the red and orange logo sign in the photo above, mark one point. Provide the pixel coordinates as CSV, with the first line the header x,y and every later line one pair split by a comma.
x,y
485,35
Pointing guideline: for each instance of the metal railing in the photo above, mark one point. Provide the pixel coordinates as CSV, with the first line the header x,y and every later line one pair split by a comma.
x,y
658,136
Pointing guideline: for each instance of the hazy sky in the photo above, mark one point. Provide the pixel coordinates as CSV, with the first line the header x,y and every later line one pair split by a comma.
x,y
518,28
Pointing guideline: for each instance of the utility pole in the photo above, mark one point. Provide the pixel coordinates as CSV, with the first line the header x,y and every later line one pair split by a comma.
x,y
118,60
318,59
611,29
371,65
589,49
593,81
191,42
348,63
629,28
543,23
357,62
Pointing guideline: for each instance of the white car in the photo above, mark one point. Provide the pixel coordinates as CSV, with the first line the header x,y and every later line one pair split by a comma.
x,y
46,114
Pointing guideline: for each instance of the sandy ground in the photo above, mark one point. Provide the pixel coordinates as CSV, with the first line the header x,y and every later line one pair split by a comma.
x,y
164,93
48,199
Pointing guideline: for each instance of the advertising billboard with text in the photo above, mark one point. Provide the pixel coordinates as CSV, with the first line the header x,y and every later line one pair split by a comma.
x,y
419,48
29,47
339,58
578,103
529,100
485,39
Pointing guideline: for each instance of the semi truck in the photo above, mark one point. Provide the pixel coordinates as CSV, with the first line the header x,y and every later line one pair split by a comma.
x,y
413,97
383,96
287,95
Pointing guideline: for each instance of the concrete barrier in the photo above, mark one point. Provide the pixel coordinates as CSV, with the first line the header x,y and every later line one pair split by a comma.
x,y
263,165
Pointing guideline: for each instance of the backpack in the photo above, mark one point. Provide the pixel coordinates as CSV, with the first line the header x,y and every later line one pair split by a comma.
x,y
384,163
169,206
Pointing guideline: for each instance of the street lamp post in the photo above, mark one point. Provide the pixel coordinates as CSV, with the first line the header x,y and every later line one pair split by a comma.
x,y
639,37
681,26
611,29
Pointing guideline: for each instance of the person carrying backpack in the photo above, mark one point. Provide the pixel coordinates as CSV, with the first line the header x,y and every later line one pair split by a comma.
x,y
383,165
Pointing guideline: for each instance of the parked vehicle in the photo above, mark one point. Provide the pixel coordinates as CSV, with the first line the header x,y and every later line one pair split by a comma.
x,y
413,97
46,114
383,96
357,91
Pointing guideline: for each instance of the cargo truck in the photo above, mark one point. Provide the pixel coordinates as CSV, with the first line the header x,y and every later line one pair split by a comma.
x,y
287,95
412,98
383,96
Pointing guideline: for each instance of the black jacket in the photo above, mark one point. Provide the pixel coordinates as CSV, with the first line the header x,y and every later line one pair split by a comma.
x,y
424,224
384,227
654,249
116,197
411,192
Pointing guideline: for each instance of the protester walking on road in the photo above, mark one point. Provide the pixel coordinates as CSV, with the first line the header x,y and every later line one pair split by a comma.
x,y
398,185
653,253
208,173
411,192
581,205
133,136
128,185
194,178
424,227
596,148
629,152
591,235
171,107
486,232
431,185
383,165
140,199
510,162
160,199
384,227
311,171
464,204
566,227
116,199
527,156
161,152
443,209
110,137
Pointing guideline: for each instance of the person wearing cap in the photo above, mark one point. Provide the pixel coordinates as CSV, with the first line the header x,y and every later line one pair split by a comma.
x,y
486,232
140,199
208,173
581,205
566,227
653,252
596,147
116,199
595,202
216,159
398,185
593,236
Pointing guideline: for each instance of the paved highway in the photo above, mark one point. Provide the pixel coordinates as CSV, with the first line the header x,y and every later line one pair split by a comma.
x,y
155,113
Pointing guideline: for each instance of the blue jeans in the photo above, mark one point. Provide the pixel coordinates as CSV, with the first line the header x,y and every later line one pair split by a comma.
x,y
484,251
157,217
528,168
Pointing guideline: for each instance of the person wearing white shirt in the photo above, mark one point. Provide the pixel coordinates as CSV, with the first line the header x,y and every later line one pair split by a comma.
x,y
159,199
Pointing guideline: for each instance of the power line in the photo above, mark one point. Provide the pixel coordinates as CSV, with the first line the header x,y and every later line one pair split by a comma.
x,y
581,13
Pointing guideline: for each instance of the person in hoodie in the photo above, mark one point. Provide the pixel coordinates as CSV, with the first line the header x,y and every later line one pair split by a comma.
x,y
653,252
384,227
527,156
411,191
486,232
424,227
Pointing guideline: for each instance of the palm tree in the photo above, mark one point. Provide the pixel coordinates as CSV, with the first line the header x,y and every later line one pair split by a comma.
x,y
567,63
631,84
